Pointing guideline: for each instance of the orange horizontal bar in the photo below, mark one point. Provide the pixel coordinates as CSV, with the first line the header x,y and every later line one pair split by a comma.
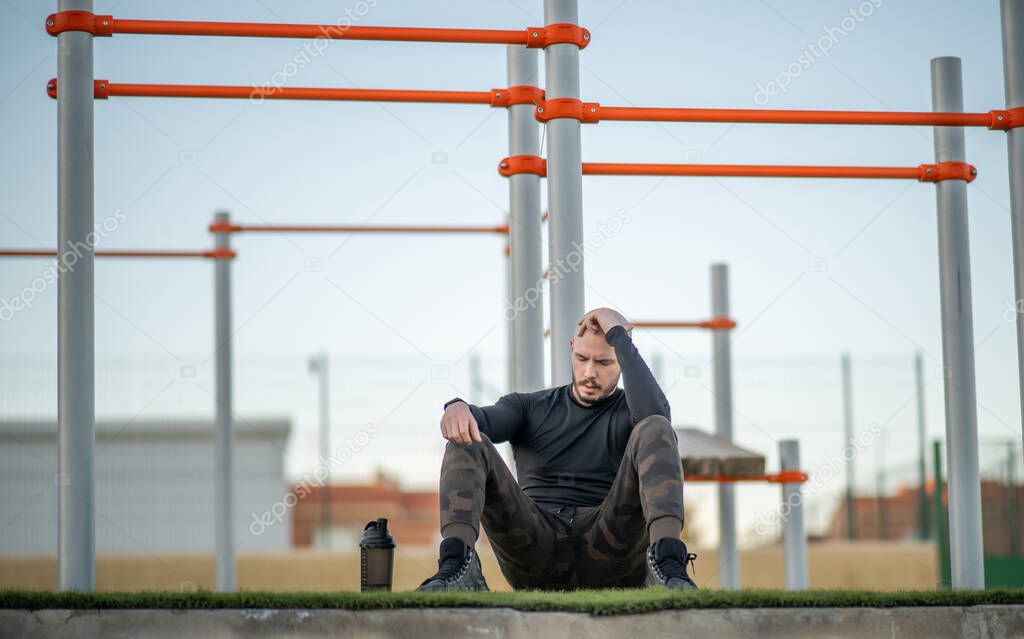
x,y
781,477
298,93
104,89
592,112
714,324
364,228
329,31
740,170
108,25
782,116
211,254
536,165
717,323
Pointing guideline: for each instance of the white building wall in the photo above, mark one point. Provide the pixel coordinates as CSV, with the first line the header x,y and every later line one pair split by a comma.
x,y
154,486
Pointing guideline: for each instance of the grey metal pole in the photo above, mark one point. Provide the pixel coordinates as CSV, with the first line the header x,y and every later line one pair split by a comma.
x,y
526,307
510,338
224,547
476,380
957,338
882,524
1012,498
941,516
76,349
1013,75
721,364
851,518
923,516
565,194
318,365
794,540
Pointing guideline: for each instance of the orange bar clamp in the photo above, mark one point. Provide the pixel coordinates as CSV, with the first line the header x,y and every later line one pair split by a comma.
x,y
103,89
215,254
923,173
523,164
106,25
592,112
220,227
516,95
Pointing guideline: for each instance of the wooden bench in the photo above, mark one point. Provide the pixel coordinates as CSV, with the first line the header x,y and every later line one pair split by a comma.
x,y
705,455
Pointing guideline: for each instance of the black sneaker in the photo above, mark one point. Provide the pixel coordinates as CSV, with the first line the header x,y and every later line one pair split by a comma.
x,y
457,569
666,565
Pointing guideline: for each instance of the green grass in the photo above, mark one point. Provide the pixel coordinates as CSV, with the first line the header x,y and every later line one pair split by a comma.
x,y
601,602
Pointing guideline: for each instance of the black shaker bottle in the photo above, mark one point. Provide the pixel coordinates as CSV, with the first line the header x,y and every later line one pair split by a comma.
x,y
376,556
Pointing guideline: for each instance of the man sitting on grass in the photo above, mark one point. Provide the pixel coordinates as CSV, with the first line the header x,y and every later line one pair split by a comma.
x,y
599,503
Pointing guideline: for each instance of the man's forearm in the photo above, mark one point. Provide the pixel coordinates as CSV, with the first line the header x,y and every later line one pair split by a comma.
x,y
643,394
500,422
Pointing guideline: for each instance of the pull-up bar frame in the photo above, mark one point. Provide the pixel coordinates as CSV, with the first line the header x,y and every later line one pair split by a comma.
x,y
75,25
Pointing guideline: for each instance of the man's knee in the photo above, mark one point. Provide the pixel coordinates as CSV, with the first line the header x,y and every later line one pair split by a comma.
x,y
476,449
655,426
463,464
473,454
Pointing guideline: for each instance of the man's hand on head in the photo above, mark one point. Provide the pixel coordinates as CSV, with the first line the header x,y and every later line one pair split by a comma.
x,y
458,424
601,320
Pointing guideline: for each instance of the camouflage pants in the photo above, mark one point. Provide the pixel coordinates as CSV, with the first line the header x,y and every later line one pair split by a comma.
x,y
600,546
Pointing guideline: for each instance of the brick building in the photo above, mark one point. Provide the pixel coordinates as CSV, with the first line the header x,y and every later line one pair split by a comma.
x,y
999,504
412,516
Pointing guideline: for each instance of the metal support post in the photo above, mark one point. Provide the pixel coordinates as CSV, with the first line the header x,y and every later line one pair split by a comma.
x,y
565,194
957,338
721,364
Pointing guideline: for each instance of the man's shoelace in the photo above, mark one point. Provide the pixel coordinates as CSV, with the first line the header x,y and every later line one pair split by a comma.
x,y
673,567
449,568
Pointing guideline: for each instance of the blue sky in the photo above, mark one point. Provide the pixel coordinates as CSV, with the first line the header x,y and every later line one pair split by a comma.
x,y
393,310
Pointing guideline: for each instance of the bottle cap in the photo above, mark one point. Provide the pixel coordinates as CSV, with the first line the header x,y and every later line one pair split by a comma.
x,y
376,535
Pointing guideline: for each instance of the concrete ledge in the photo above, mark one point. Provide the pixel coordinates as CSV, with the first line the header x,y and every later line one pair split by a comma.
x,y
936,622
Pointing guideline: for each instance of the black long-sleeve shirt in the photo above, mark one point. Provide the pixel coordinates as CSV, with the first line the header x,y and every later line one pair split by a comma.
x,y
567,453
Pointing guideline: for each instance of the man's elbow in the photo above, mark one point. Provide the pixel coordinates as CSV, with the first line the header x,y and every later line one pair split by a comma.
x,y
660,411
